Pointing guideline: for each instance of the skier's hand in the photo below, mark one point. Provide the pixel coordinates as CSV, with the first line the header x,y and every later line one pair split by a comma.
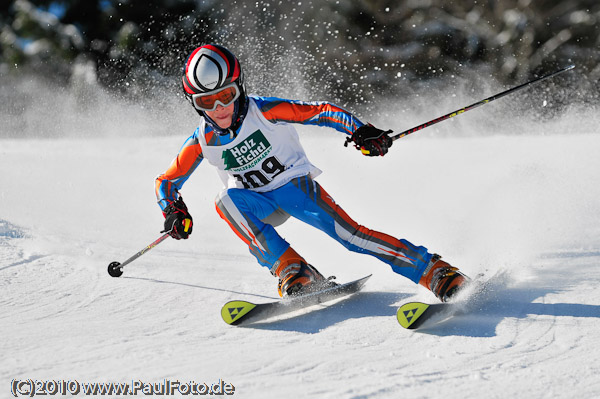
x,y
178,221
371,141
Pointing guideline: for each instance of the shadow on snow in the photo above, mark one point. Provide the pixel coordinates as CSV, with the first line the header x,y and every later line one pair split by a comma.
x,y
485,314
197,286
480,319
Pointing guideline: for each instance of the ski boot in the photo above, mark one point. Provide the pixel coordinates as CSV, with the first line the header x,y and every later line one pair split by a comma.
x,y
296,277
443,280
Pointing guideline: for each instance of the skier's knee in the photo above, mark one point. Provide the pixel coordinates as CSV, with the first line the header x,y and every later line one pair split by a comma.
x,y
351,240
226,199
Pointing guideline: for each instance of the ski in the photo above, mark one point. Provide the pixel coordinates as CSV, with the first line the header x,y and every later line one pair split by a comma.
x,y
414,315
242,312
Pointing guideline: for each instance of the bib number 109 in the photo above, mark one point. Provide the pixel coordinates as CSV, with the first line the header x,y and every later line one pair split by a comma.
x,y
270,168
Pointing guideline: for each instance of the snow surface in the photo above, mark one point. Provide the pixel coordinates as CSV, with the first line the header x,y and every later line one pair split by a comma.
x,y
524,205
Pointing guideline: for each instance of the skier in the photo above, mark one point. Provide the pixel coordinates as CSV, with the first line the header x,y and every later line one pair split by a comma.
x,y
268,178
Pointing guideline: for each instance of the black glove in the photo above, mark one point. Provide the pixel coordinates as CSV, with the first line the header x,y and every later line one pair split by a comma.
x,y
178,221
371,141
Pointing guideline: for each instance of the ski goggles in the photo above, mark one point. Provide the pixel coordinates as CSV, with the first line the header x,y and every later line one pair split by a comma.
x,y
209,101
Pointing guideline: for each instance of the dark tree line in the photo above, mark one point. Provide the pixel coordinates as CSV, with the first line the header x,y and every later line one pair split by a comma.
x,y
350,50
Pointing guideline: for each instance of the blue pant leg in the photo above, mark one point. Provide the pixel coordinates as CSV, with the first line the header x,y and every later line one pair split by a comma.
x,y
306,200
245,211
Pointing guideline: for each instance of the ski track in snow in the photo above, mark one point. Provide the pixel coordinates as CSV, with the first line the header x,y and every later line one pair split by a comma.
x,y
526,206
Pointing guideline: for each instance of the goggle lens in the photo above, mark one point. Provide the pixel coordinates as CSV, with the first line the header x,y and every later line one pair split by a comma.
x,y
209,101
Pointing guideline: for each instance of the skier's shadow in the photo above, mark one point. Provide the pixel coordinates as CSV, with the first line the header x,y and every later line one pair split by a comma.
x,y
481,321
508,303
360,305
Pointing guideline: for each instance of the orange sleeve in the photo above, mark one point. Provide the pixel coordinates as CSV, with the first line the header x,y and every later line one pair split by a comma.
x,y
308,113
168,184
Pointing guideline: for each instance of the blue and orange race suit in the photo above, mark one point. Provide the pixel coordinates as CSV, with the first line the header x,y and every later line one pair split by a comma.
x,y
268,178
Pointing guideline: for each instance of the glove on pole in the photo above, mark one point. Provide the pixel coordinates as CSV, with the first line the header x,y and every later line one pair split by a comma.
x,y
371,141
178,221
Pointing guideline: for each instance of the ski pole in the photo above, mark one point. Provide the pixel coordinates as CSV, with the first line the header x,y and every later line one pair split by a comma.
x,y
115,269
477,104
